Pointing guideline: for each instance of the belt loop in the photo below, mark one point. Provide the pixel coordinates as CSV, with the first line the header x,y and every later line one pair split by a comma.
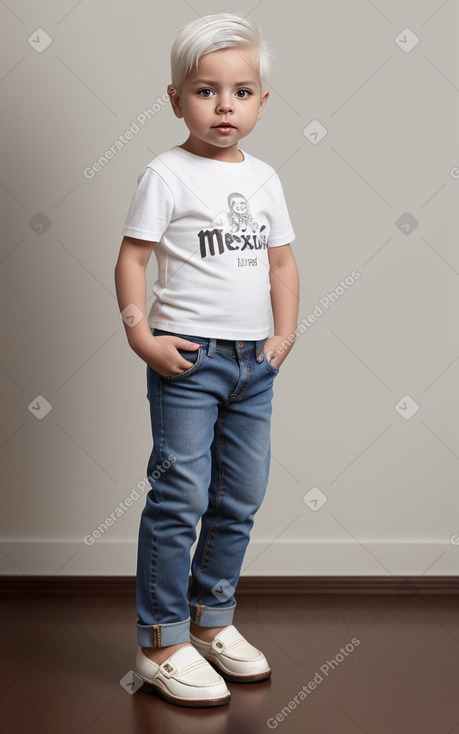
x,y
211,346
259,349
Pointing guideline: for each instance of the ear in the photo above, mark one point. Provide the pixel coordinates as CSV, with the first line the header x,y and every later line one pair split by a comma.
x,y
263,101
175,100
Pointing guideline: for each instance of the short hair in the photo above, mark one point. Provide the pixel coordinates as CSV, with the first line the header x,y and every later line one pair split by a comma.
x,y
234,195
211,33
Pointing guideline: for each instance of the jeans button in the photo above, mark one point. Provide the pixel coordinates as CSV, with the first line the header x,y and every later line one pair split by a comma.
x,y
240,345
260,358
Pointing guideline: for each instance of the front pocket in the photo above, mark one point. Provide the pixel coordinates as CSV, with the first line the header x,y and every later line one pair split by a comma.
x,y
196,356
270,366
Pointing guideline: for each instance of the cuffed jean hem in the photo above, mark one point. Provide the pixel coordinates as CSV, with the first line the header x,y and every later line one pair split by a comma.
x,y
161,635
211,617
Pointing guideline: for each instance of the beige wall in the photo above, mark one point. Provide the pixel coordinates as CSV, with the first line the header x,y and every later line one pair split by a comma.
x,y
389,157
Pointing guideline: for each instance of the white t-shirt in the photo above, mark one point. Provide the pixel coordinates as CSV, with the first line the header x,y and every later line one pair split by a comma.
x,y
213,222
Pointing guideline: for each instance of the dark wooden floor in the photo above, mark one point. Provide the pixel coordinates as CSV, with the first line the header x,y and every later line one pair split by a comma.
x,y
62,657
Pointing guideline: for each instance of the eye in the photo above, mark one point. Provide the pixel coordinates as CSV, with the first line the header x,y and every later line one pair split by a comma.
x,y
202,93
245,92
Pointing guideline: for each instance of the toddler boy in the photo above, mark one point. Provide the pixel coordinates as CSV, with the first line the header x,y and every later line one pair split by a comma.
x,y
216,219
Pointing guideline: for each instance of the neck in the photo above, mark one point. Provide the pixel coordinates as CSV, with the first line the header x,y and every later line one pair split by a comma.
x,y
226,155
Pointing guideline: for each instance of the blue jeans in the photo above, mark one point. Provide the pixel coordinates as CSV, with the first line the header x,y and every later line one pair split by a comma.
x,y
210,462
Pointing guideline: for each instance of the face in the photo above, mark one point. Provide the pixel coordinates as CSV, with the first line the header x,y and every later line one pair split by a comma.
x,y
239,205
220,102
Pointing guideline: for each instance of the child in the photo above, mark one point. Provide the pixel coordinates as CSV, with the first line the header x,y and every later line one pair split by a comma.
x,y
217,221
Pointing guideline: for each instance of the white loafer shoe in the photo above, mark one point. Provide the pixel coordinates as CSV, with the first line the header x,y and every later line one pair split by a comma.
x,y
185,679
235,658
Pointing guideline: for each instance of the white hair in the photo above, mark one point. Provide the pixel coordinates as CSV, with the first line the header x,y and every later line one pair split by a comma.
x,y
211,33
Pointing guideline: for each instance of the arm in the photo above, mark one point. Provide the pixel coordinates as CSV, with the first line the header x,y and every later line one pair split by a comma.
x,y
160,352
285,296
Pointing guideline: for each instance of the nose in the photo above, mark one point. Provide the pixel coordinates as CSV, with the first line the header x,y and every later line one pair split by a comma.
x,y
225,103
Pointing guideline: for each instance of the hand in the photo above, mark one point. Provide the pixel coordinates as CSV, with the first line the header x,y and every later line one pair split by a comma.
x,y
162,355
276,349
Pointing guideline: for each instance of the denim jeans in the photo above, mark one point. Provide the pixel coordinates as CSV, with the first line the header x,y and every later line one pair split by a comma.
x,y
209,463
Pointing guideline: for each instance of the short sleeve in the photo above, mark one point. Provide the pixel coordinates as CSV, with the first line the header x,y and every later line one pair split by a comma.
x,y
282,232
151,208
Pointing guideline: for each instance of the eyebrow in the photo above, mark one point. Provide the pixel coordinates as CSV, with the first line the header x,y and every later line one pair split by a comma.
x,y
215,83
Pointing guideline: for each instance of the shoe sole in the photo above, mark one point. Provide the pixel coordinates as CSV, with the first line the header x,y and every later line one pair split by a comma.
x,y
149,687
232,678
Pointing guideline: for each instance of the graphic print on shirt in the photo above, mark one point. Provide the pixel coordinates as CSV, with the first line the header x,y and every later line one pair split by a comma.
x,y
242,233
239,214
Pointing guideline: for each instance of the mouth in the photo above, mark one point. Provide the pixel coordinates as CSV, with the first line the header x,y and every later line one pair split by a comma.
x,y
224,126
